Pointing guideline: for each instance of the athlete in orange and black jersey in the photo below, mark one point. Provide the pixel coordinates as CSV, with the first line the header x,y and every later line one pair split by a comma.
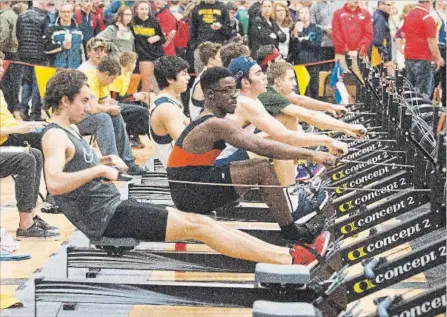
x,y
186,166
192,161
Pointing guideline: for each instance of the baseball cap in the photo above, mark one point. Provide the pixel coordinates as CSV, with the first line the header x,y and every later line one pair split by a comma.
x,y
95,43
239,67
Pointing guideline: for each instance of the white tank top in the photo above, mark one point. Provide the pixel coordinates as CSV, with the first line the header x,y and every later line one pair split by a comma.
x,y
194,109
163,145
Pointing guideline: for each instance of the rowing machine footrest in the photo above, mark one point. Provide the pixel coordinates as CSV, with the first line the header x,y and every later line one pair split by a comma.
x,y
273,309
282,274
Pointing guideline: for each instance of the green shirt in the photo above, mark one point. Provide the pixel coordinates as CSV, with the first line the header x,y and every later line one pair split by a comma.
x,y
273,101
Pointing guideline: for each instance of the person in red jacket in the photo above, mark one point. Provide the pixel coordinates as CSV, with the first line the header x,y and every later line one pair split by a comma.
x,y
168,23
421,48
352,32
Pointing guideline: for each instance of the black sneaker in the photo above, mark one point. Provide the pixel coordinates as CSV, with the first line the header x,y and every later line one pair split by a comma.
x,y
137,170
309,207
306,233
43,224
35,232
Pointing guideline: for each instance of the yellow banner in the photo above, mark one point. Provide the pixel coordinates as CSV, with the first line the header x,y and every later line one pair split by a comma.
x,y
303,78
43,75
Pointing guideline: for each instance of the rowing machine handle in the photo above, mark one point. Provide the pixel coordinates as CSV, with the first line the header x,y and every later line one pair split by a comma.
x,y
370,264
363,132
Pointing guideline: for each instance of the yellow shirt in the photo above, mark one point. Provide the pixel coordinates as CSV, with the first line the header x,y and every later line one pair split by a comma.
x,y
96,88
6,118
121,84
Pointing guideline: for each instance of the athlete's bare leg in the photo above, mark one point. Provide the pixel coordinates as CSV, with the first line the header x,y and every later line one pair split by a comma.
x,y
228,241
262,172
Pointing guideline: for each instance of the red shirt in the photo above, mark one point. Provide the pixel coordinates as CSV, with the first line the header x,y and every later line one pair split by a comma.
x,y
351,30
168,23
418,26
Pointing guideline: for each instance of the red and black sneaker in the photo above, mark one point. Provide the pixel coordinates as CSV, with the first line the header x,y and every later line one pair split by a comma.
x,y
301,254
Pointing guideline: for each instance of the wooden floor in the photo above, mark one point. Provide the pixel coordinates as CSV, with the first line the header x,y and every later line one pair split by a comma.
x,y
12,273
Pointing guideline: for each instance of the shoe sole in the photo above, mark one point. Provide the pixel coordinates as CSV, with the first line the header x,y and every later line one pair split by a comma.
x,y
55,238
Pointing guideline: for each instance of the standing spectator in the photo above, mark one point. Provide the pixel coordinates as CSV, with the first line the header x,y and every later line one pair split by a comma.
x,y
237,30
399,41
53,13
242,14
87,21
168,24
98,13
8,37
31,28
113,7
381,45
305,46
352,33
285,22
149,39
209,22
9,45
265,30
321,14
64,40
119,34
421,47
441,12
253,12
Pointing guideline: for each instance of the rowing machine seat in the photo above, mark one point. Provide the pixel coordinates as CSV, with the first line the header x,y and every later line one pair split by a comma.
x,y
281,274
272,309
115,242
115,246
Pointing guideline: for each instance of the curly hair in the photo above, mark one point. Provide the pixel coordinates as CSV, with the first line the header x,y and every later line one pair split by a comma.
x,y
168,67
66,82
231,51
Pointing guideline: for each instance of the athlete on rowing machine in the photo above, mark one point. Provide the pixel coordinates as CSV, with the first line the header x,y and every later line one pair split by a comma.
x,y
194,154
167,120
76,177
281,81
251,114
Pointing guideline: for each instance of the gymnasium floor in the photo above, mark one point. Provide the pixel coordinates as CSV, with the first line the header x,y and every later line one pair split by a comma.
x,y
48,260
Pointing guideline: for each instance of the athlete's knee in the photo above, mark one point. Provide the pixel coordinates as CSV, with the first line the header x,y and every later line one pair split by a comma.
x,y
196,222
27,164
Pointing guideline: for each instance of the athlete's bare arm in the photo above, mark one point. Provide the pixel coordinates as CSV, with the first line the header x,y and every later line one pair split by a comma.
x,y
166,119
253,111
58,150
222,129
314,104
323,121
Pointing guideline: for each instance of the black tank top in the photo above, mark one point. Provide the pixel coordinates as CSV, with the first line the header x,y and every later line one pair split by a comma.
x,y
91,206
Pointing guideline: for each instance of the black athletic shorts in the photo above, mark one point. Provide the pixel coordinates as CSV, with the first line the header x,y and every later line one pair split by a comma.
x,y
141,221
201,198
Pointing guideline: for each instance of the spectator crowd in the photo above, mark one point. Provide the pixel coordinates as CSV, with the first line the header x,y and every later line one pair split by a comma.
x,y
111,41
